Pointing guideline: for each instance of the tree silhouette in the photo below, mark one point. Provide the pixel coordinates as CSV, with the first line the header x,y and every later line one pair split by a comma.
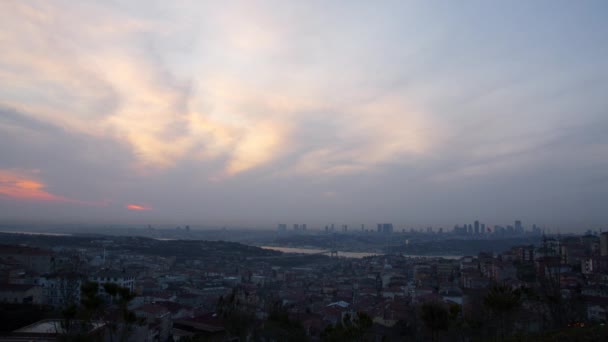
x,y
349,328
113,313
91,301
121,323
238,319
435,317
503,302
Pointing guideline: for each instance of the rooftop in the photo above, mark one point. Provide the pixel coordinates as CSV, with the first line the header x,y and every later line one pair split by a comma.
x,y
51,326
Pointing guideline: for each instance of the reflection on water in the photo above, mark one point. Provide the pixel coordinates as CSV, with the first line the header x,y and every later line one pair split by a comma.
x,y
348,254
35,233
317,251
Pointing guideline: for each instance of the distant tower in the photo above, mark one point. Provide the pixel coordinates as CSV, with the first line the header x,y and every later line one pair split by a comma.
x,y
334,251
476,227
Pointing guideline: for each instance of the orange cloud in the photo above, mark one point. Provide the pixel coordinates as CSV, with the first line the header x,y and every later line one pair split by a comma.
x,y
22,186
137,207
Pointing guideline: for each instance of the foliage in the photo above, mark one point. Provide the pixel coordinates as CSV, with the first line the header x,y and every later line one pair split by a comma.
x,y
349,328
77,320
121,324
279,327
435,316
238,320
526,272
503,301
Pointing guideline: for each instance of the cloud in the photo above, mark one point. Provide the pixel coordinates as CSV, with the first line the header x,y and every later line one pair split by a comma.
x,y
222,106
24,185
137,207
93,74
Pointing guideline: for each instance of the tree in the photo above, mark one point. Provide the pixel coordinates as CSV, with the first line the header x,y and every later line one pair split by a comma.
x,y
238,320
278,326
76,320
502,301
114,313
68,319
122,323
435,317
349,328
91,301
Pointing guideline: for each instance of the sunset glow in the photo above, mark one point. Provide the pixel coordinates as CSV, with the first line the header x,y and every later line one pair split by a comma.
x,y
22,187
137,207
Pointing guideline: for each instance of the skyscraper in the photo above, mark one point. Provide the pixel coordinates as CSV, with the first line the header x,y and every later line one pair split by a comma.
x,y
518,227
386,228
604,244
476,227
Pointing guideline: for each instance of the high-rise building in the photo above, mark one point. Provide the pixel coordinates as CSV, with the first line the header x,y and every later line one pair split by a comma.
x,y
476,227
460,230
604,244
518,227
483,228
386,228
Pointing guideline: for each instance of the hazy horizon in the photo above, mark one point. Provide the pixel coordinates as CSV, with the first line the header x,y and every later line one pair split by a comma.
x,y
253,113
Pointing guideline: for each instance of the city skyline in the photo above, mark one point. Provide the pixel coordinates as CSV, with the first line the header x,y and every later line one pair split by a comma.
x,y
256,113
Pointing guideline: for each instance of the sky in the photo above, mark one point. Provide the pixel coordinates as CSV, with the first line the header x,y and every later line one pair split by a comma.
x,y
253,113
